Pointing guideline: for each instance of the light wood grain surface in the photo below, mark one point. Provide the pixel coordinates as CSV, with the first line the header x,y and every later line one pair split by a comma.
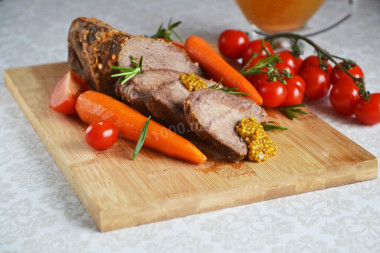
x,y
118,192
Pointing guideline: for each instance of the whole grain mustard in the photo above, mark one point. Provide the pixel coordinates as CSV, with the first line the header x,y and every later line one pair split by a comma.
x,y
192,82
260,146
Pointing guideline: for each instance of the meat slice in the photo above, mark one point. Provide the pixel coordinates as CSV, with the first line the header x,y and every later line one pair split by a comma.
x,y
136,93
94,46
166,102
212,115
157,54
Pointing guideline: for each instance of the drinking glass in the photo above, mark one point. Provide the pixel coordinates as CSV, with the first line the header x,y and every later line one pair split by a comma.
x,y
305,17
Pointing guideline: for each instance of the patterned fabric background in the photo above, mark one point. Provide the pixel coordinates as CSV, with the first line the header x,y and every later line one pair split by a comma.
x,y
39,212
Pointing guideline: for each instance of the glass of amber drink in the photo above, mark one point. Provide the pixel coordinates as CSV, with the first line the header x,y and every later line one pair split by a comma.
x,y
274,16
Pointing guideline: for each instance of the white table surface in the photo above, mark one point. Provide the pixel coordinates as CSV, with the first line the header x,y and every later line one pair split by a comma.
x,y
39,212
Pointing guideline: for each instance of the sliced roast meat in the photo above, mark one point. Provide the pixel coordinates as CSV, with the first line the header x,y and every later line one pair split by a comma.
x,y
213,115
157,54
136,92
95,46
166,101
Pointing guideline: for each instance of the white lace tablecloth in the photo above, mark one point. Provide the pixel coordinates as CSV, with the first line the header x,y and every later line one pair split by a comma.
x,y
39,212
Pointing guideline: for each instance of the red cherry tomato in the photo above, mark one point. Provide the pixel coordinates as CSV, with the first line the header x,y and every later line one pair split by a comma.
x,y
255,47
283,66
294,95
368,112
343,97
253,79
336,74
288,59
66,93
299,62
297,80
317,82
313,60
101,135
273,93
232,43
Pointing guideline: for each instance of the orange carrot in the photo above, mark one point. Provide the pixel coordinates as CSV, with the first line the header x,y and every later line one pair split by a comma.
x,y
215,66
94,106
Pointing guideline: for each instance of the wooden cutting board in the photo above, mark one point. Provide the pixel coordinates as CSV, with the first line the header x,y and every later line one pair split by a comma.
x,y
118,192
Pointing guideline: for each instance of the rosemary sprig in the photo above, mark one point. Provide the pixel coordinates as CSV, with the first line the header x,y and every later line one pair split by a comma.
x,y
141,139
292,110
226,89
271,127
165,33
256,69
128,73
269,62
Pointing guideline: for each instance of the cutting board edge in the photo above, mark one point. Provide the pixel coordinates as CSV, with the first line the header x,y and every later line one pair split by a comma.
x,y
61,163
124,217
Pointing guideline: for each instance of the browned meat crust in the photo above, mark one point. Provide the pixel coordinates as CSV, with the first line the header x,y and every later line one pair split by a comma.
x,y
93,47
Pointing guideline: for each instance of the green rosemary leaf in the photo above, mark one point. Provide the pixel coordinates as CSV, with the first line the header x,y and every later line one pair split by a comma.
x,y
238,93
289,114
256,69
121,68
213,87
292,110
128,77
216,86
121,74
165,33
174,25
270,127
177,36
298,111
226,89
140,62
128,73
141,139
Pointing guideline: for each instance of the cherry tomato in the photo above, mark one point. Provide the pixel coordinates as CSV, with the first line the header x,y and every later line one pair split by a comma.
x,y
101,135
368,112
273,93
313,60
299,62
288,59
66,93
232,43
283,66
343,97
253,79
255,47
294,95
317,82
297,80
336,74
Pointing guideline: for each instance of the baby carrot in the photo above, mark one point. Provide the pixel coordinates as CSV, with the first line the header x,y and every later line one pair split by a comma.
x,y
94,106
214,65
